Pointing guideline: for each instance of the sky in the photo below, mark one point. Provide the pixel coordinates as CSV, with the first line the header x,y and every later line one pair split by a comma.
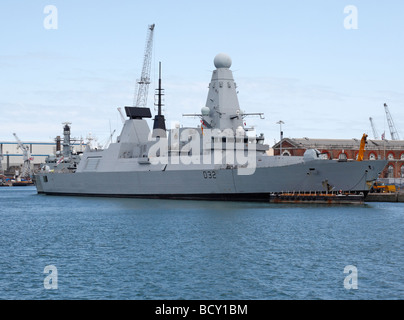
x,y
320,69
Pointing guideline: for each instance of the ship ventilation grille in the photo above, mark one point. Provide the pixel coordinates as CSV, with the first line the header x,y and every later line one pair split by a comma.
x,y
92,164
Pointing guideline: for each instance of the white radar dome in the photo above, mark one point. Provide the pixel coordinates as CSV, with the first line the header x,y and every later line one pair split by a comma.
x,y
205,111
240,131
222,60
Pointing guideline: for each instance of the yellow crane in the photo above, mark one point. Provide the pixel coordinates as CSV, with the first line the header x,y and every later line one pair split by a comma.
x,y
378,186
362,147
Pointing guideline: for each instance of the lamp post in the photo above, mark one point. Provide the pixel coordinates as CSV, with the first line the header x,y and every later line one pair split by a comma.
x,y
280,122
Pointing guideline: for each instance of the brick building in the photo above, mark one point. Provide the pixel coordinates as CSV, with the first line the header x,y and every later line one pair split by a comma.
x,y
334,149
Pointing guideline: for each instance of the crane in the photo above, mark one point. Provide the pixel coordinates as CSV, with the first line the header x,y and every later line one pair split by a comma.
x,y
362,147
375,133
392,127
109,140
122,116
1,159
142,85
26,169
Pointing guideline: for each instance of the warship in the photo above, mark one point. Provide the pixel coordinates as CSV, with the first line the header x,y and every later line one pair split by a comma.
x,y
67,159
218,159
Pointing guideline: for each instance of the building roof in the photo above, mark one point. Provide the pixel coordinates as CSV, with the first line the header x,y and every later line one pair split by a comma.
x,y
307,143
47,143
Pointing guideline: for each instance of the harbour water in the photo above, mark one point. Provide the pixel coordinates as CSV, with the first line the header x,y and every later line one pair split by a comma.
x,y
164,249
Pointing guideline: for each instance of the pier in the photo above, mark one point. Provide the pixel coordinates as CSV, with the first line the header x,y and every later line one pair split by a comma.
x,y
385,197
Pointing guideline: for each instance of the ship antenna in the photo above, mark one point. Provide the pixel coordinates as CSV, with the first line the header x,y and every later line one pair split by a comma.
x,y
159,127
159,93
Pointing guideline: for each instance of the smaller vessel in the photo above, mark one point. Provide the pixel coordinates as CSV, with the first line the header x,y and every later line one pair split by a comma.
x,y
65,160
4,181
22,183
317,198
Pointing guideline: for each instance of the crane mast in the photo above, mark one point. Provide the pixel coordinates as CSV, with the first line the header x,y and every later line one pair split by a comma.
x,y
26,169
122,115
375,133
1,159
392,127
142,85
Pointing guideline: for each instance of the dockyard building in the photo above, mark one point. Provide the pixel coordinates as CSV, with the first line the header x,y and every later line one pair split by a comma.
x,y
349,148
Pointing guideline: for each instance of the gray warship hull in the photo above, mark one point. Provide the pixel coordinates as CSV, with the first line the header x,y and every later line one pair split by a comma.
x,y
216,184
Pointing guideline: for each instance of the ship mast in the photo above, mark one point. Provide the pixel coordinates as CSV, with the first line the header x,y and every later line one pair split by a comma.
x,y
159,126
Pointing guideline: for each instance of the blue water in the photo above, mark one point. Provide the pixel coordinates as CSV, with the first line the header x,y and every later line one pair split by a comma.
x,y
158,249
